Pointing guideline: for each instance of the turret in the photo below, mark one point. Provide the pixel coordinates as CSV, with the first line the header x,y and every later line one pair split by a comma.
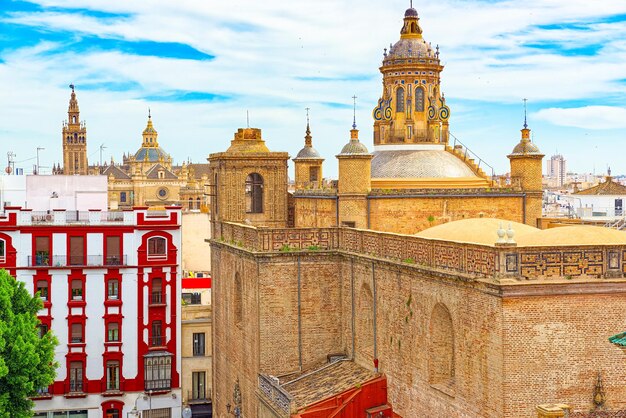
x,y
355,168
308,163
74,139
526,169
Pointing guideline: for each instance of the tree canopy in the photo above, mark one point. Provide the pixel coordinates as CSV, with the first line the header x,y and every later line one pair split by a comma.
x,y
26,359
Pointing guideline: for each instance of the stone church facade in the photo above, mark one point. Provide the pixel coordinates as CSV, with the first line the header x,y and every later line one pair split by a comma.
x,y
419,286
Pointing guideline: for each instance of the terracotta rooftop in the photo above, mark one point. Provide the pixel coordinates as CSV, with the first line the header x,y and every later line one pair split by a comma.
x,y
609,187
326,381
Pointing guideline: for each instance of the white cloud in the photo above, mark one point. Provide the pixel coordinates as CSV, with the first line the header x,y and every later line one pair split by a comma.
x,y
587,117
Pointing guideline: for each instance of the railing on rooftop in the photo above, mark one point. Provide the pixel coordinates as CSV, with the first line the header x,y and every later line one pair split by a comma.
x,y
469,154
270,387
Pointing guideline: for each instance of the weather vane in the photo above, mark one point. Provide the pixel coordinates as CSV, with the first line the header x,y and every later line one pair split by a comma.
x,y
72,86
307,114
525,115
354,112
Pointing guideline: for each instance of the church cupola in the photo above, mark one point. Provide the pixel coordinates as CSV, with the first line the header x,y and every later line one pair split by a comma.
x,y
150,135
308,163
411,109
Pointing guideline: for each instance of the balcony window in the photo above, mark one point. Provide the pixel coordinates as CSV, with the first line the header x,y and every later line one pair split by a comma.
x,y
77,334
3,255
113,289
77,251
123,197
198,383
157,248
156,297
42,288
76,376
113,253
113,375
198,344
157,336
158,372
42,251
113,332
77,289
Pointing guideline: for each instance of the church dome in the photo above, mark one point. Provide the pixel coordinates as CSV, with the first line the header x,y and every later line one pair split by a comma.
x,y
399,164
410,47
152,155
411,12
308,152
526,148
354,147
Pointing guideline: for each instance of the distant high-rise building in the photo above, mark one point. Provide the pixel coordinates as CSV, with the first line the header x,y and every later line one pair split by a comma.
x,y
556,168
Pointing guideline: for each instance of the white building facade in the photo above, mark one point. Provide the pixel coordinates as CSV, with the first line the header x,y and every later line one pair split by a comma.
x,y
109,284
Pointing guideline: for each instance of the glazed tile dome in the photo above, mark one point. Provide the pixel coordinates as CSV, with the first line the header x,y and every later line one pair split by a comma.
x,y
526,148
308,152
418,164
151,155
410,47
354,147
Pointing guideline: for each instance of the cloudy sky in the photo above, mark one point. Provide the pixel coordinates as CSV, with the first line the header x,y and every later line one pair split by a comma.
x,y
200,65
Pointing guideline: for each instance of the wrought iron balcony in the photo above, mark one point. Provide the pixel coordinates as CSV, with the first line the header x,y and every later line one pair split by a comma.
x,y
44,259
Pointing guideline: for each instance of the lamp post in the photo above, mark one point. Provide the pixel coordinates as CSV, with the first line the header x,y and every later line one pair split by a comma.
x,y
187,413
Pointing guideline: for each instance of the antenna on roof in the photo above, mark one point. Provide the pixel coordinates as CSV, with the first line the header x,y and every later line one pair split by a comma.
x,y
354,112
525,114
248,118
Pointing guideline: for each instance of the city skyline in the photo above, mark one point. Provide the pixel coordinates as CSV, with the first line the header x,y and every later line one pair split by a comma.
x,y
202,68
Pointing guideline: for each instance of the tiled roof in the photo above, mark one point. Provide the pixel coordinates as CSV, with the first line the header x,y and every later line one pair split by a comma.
x,y
116,172
153,173
609,187
619,339
329,380
151,154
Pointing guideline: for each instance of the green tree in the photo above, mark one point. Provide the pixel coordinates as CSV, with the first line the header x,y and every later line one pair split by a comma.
x,y
26,360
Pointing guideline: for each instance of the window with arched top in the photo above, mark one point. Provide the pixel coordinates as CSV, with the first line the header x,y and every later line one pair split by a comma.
x,y
238,299
157,248
419,99
73,119
254,193
198,203
441,348
400,99
3,251
190,204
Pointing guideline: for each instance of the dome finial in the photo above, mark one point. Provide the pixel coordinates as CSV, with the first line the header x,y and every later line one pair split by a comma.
x,y
308,139
525,114
149,113
354,112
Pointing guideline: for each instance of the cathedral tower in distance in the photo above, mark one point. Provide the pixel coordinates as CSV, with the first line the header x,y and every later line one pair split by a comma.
x,y
74,140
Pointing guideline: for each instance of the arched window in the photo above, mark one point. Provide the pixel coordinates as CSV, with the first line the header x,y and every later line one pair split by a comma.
x,y
73,119
441,350
157,249
190,203
3,251
400,99
198,203
419,99
254,193
238,299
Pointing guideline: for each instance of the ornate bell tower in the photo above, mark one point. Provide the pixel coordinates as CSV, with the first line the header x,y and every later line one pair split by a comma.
x,y
412,109
74,140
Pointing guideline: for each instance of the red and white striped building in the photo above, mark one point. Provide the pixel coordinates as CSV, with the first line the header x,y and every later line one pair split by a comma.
x,y
110,283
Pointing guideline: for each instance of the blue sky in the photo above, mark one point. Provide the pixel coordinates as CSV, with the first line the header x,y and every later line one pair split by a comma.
x,y
201,65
